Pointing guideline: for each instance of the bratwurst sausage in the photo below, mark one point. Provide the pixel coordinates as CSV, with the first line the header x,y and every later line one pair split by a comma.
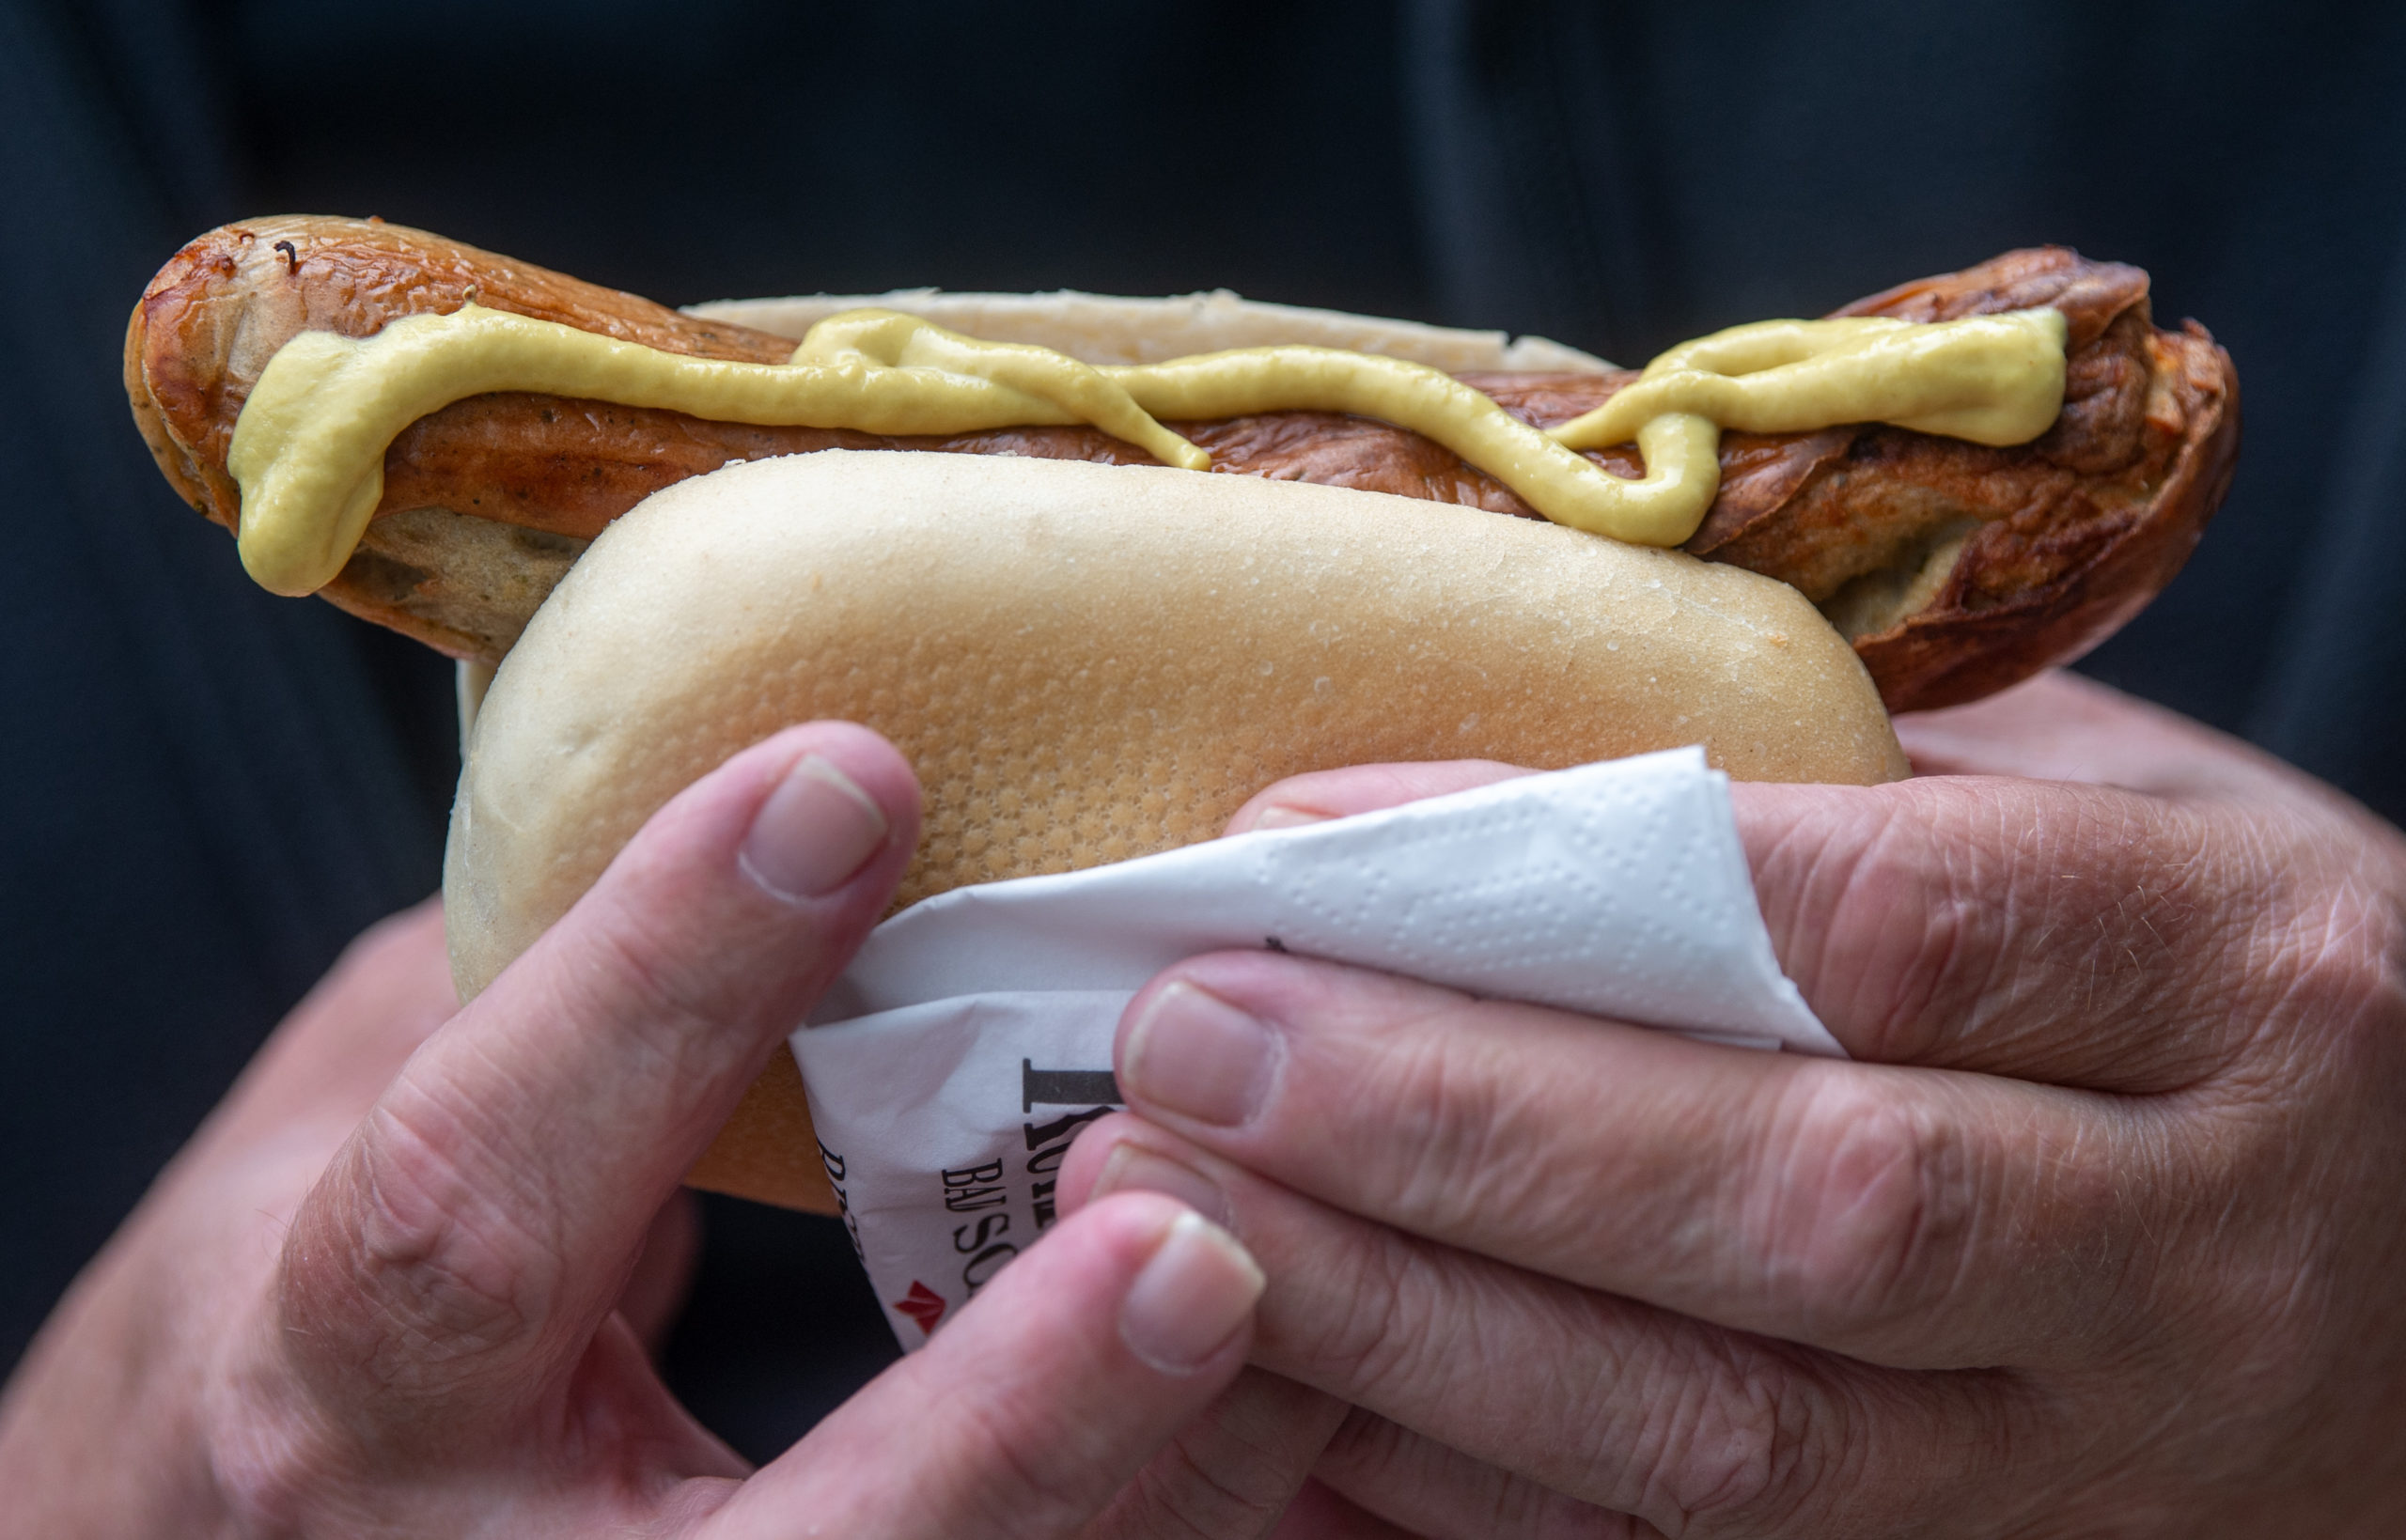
x,y
1955,568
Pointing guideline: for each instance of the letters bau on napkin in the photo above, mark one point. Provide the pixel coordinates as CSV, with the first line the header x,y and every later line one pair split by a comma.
x,y
951,1066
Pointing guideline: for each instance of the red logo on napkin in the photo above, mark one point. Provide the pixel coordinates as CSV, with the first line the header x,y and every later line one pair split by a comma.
x,y
923,1305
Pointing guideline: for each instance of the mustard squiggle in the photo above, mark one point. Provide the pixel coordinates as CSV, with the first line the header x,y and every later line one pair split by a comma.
x,y
309,445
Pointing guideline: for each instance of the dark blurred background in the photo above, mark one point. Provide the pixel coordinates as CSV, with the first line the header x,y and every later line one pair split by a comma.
x,y
208,791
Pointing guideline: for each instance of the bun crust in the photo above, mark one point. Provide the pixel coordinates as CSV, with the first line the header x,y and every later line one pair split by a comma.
x,y
1087,664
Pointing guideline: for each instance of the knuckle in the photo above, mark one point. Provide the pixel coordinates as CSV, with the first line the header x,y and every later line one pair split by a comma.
x,y
1373,1342
1437,1145
1193,1493
1741,1441
1952,948
1368,1456
432,1242
2325,1054
1895,984
411,1270
1875,1211
2312,988
2346,972
2010,926
1465,1130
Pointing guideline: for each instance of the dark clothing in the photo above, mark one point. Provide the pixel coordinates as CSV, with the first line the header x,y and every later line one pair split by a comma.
x,y
209,790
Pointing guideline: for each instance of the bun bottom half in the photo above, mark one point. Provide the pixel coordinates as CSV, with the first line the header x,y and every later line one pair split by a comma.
x,y
1085,663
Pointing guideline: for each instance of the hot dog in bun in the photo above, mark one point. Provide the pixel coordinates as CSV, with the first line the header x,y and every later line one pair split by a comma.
x,y
1091,649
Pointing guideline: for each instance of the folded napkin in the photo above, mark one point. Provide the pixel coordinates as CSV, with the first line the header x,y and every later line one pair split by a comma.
x,y
970,1038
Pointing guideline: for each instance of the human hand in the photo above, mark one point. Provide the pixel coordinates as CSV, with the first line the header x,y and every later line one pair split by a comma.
x,y
2098,1236
393,1285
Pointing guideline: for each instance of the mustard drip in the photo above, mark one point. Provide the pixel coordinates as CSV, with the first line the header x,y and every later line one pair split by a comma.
x,y
309,446
1993,380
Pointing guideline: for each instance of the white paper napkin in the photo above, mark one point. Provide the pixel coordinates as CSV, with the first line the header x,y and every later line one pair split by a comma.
x,y
953,1061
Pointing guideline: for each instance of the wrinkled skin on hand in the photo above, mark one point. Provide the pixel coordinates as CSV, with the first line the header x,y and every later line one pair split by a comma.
x,y
2098,1234
403,1281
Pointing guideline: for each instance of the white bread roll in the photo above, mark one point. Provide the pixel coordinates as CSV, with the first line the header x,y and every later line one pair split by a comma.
x,y
1087,664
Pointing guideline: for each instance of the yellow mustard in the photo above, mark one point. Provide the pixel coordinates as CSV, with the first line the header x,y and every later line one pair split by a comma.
x,y
1993,380
308,448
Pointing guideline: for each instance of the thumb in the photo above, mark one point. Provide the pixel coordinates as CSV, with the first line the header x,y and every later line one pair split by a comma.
x,y
461,1249
1027,1414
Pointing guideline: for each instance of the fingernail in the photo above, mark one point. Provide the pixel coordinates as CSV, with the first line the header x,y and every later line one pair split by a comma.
x,y
1285,815
1195,1290
1133,1168
1193,1053
814,832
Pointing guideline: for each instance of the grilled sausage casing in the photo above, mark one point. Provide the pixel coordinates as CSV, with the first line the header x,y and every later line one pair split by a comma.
x,y
1955,568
